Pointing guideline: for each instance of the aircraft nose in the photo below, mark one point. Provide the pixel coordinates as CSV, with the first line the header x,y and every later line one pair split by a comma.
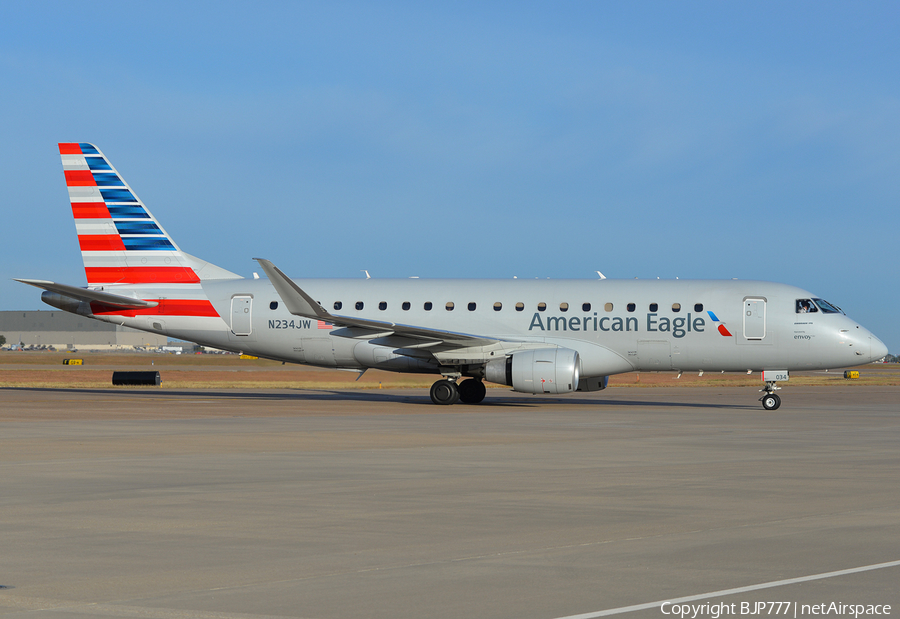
x,y
879,350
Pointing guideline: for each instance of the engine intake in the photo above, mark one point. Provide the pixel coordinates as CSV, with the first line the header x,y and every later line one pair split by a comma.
x,y
544,370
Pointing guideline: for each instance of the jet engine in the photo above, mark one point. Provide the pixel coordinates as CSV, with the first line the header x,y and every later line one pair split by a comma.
x,y
544,370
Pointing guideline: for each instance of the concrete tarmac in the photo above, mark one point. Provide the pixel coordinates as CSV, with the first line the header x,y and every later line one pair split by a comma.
x,y
173,504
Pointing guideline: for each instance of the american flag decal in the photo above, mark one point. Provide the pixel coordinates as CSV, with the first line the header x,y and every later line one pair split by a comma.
x,y
324,325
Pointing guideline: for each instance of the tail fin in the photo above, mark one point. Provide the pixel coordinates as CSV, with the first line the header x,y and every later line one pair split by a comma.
x,y
121,241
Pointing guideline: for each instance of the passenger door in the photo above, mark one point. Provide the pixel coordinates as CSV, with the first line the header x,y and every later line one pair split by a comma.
x,y
754,318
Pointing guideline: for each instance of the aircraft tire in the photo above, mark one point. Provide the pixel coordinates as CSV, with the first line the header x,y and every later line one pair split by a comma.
x,y
771,402
471,391
445,392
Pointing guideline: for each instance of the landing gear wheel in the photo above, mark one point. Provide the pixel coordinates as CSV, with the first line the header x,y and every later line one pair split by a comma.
x,y
471,391
770,401
444,392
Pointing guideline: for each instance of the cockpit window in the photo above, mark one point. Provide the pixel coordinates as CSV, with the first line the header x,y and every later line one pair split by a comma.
x,y
827,308
806,306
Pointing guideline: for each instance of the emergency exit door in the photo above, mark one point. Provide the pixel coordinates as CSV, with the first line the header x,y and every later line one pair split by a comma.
x,y
754,319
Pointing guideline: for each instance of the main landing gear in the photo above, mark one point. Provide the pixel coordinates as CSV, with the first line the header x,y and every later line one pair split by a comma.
x,y
446,391
471,391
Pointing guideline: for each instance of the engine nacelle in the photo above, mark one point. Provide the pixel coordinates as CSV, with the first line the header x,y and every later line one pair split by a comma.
x,y
544,370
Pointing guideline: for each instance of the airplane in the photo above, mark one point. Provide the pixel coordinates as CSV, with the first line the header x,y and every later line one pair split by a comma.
x,y
536,336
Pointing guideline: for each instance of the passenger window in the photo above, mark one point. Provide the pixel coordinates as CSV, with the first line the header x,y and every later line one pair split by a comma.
x,y
654,307
564,307
427,306
472,307
676,307
359,305
406,306
520,306
449,307
498,306
273,305
382,306
542,307
608,307
338,305
698,307
806,306
585,307
631,307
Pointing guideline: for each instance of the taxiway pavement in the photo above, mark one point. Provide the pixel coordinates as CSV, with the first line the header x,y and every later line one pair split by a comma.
x,y
343,504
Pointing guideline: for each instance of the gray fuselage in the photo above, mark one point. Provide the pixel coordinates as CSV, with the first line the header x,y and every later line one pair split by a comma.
x,y
615,325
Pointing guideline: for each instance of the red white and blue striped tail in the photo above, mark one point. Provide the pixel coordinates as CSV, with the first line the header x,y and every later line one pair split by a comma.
x,y
121,241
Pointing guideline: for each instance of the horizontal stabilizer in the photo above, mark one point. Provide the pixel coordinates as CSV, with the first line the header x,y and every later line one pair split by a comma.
x,y
83,294
299,303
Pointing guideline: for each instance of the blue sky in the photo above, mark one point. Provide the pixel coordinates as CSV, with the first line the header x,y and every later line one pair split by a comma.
x,y
644,139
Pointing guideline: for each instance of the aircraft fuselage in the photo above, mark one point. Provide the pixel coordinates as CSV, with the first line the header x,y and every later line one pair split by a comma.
x,y
615,325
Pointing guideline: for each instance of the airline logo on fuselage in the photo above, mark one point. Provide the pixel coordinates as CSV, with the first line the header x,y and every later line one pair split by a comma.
x,y
678,327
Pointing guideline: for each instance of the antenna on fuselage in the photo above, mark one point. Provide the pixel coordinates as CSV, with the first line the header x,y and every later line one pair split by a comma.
x,y
602,276
367,274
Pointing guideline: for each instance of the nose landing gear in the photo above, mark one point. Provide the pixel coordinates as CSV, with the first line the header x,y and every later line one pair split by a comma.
x,y
770,399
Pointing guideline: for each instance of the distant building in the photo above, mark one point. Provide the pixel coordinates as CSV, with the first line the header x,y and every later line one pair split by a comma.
x,y
63,330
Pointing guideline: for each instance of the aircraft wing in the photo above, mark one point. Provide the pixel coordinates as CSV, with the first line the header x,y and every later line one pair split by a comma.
x,y
84,294
300,303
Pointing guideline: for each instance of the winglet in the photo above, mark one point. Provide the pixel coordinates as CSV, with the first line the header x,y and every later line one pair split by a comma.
x,y
295,299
